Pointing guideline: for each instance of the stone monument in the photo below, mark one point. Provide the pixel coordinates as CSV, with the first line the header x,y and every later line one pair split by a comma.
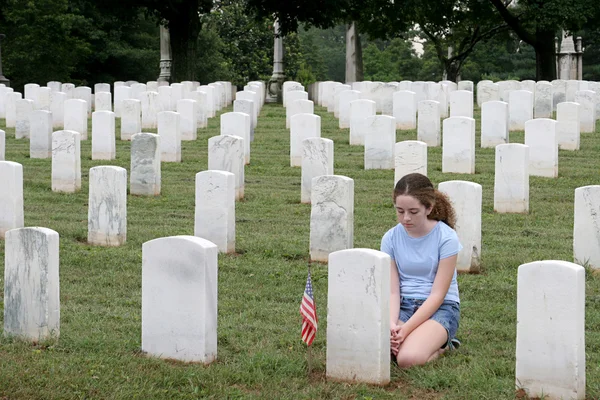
x,y
274,89
165,55
569,58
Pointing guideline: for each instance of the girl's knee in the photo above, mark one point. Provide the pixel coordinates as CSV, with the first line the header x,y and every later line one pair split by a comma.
x,y
407,359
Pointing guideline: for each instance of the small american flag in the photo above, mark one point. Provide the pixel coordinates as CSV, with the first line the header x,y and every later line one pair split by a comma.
x,y
308,310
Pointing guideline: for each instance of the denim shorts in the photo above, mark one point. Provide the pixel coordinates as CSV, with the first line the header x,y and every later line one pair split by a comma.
x,y
448,315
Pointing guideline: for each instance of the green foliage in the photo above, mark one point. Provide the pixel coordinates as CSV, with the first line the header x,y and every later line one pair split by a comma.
x,y
393,60
324,52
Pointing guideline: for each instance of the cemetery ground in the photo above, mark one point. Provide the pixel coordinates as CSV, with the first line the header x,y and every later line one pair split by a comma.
x,y
260,354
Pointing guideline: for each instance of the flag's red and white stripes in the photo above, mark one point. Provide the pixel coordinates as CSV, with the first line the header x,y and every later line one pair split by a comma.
x,y
308,310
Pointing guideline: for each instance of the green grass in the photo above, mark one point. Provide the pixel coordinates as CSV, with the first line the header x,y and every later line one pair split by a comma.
x,y
260,354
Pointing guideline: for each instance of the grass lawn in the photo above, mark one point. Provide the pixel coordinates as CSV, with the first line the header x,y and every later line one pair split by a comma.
x,y
260,354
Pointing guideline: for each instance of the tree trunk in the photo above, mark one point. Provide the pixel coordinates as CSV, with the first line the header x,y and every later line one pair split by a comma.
x,y
184,28
545,56
452,69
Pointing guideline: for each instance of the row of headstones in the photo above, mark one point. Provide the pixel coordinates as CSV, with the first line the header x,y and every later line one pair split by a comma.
x,y
324,93
378,134
550,305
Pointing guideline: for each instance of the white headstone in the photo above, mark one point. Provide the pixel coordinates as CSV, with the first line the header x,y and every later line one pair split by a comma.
x,y
360,112
31,91
31,285
238,124
102,88
84,93
405,109
57,108
428,122
543,100
421,90
529,85
11,197
437,92
179,299
358,316
466,198
252,97
67,88
458,149
246,107
559,92
540,136
66,161
152,86
303,126
410,157
188,118
107,206
295,95
44,99
2,145
461,103
494,123
201,108
511,179
4,91
210,100
103,101
572,87
568,127
176,95
40,143
121,93
215,208
298,107
587,110
551,327
131,118
465,85
520,109
164,98
144,177
346,97
54,86
317,160
136,91
488,92
170,136
150,107
76,117
103,135
331,216
586,227
23,108
11,108
226,153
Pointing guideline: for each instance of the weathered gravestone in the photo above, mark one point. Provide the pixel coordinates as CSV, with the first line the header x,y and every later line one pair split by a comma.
x,y
586,226
179,299
550,350
428,122
520,109
188,118
540,136
511,179
215,209
238,124
360,112
494,123
107,206
380,139
543,100
23,110
331,216
76,117
410,156
103,135
568,126
66,161
131,118
461,104
11,197
170,136
358,316
226,153
31,284
458,149
40,127
587,110
405,109
317,160
145,178
103,101
298,107
303,126
466,198
150,107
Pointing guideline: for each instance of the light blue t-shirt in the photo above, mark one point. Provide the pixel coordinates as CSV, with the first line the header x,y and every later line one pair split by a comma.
x,y
417,259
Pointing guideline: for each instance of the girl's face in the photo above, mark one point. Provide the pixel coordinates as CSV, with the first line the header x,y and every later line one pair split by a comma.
x,y
411,213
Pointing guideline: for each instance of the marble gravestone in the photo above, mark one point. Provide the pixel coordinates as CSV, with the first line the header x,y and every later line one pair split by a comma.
x,y
226,153
103,135
331,216
40,141
107,206
494,124
568,128
511,179
23,110
170,136
466,198
303,126
31,285
188,119
358,316
238,124
410,156
458,150
215,209
317,160
540,136
405,109
66,161
179,299
360,112
586,226
551,316
428,122
131,118
11,197
145,177
380,139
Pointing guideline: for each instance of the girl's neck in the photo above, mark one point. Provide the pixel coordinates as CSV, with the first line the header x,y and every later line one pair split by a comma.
x,y
427,227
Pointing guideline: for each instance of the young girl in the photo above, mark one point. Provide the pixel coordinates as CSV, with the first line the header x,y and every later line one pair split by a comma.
x,y
424,302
